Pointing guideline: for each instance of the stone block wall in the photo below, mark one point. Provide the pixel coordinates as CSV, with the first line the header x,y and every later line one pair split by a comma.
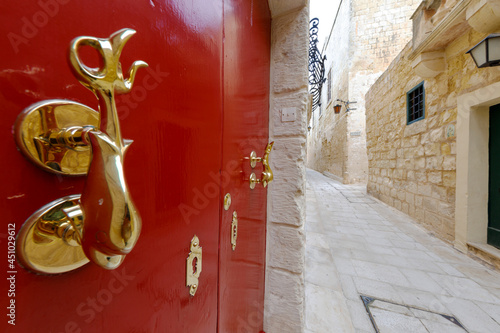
x,y
413,167
284,298
327,150
365,38
379,31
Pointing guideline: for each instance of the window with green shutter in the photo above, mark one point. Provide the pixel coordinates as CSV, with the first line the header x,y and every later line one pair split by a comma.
x,y
415,104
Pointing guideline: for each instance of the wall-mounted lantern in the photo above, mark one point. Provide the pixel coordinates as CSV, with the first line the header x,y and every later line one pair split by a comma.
x,y
338,107
487,52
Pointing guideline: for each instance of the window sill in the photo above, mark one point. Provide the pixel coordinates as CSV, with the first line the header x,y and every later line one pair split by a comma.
x,y
415,121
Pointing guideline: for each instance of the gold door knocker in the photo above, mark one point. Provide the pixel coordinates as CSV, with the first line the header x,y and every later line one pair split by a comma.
x,y
64,137
267,174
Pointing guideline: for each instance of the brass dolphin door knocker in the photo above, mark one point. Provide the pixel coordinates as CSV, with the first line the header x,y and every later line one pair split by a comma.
x,y
64,137
267,174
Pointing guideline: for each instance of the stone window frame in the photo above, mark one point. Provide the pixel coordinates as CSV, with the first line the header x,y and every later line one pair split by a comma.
x,y
408,101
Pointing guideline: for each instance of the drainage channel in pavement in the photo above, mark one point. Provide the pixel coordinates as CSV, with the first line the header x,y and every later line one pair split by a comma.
x,y
390,317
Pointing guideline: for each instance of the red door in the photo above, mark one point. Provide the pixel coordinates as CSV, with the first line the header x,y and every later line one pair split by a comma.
x,y
246,90
194,114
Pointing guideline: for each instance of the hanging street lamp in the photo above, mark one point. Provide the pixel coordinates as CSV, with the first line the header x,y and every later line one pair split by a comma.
x,y
487,52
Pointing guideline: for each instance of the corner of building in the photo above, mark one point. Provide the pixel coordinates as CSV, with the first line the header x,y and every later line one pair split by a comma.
x,y
284,300
435,169
365,37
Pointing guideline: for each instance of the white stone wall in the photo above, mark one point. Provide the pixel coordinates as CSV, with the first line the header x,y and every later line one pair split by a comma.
x,y
366,36
412,167
327,149
284,300
415,167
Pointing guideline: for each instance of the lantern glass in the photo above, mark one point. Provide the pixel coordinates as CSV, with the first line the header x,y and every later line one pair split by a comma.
x,y
337,108
487,52
494,50
479,54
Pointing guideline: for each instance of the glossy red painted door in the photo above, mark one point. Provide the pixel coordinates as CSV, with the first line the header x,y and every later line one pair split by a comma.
x,y
201,103
246,104
174,117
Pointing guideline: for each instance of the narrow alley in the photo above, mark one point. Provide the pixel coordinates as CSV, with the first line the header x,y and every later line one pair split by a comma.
x,y
360,251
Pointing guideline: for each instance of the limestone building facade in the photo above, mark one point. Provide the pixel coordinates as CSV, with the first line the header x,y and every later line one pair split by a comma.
x,y
438,169
284,308
365,37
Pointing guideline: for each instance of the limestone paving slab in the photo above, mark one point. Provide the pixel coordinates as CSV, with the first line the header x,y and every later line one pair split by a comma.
x,y
390,317
357,245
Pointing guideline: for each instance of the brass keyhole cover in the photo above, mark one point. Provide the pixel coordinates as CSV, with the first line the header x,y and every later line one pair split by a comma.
x,y
193,265
234,230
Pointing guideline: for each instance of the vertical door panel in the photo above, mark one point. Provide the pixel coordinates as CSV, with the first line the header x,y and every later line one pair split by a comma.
x,y
173,114
494,179
246,110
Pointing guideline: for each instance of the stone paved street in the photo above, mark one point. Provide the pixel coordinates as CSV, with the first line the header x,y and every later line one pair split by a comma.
x,y
356,245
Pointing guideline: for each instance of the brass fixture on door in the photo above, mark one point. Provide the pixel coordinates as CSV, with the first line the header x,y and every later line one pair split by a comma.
x,y
193,265
267,173
64,137
234,230
227,201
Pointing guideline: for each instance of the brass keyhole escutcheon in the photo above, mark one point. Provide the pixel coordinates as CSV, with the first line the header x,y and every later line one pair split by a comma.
x,y
234,230
193,266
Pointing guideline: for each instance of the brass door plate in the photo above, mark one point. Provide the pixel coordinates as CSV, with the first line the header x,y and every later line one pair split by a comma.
x,y
234,230
227,201
193,266
40,128
253,180
254,159
47,242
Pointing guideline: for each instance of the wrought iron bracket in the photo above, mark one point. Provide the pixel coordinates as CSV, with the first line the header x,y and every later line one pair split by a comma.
x,y
316,65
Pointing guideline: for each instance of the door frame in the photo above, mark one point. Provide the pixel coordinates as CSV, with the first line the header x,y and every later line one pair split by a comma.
x,y
471,204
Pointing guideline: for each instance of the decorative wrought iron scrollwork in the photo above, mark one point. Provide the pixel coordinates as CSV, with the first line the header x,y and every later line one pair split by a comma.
x,y
316,65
